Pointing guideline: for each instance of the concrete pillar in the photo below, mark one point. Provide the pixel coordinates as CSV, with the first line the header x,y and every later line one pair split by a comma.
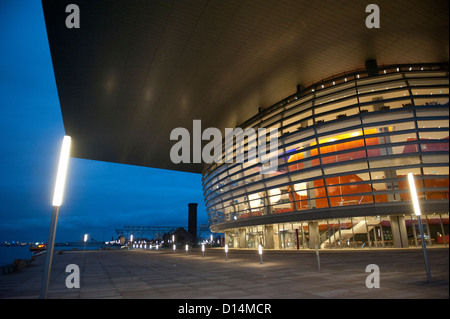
x,y
314,235
269,234
399,234
242,241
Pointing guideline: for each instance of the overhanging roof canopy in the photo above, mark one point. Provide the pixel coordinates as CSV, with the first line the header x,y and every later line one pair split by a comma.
x,y
135,70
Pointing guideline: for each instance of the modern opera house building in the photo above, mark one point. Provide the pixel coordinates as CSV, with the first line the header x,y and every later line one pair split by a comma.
x,y
356,108
345,147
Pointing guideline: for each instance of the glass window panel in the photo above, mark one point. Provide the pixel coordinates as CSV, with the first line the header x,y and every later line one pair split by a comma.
x,y
276,181
338,126
306,175
387,117
393,162
380,97
434,81
385,78
425,73
338,114
430,101
432,112
380,86
341,137
433,123
345,168
347,88
434,135
429,91
303,138
334,106
434,158
436,170
397,138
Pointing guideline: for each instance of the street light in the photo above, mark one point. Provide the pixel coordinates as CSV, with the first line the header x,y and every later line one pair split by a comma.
x,y
415,200
85,240
56,203
260,253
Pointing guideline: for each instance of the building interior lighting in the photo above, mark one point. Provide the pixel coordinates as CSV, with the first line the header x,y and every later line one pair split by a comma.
x,y
275,195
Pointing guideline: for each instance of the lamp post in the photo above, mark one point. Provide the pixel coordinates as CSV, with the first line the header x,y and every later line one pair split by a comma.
x,y
57,201
415,200
85,240
260,253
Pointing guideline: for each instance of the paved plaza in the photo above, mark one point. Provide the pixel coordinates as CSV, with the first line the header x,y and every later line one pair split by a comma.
x,y
164,274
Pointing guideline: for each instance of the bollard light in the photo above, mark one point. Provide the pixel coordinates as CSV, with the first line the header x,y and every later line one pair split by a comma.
x,y
415,200
187,248
317,255
260,253
203,250
226,251
174,248
85,238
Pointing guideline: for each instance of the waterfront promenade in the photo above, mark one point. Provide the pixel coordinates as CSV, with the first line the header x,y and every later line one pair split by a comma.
x,y
282,275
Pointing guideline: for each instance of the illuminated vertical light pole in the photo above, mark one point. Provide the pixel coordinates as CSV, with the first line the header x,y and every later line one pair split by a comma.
x,y
85,238
415,200
226,252
187,249
260,253
57,201
203,250
131,240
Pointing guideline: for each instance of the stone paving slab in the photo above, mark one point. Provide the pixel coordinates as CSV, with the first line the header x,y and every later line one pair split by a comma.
x,y
162,274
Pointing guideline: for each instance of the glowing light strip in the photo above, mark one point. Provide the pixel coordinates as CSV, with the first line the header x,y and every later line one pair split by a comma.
x,y
415,199
62,171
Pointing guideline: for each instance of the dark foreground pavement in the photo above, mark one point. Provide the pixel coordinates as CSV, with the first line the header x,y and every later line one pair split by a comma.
x,y
282,275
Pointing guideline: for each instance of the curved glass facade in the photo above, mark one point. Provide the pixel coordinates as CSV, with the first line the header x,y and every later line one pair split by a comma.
x,y
345,146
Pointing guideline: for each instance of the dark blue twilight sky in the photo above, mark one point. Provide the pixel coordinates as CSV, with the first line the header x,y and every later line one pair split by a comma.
x,y
99,196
